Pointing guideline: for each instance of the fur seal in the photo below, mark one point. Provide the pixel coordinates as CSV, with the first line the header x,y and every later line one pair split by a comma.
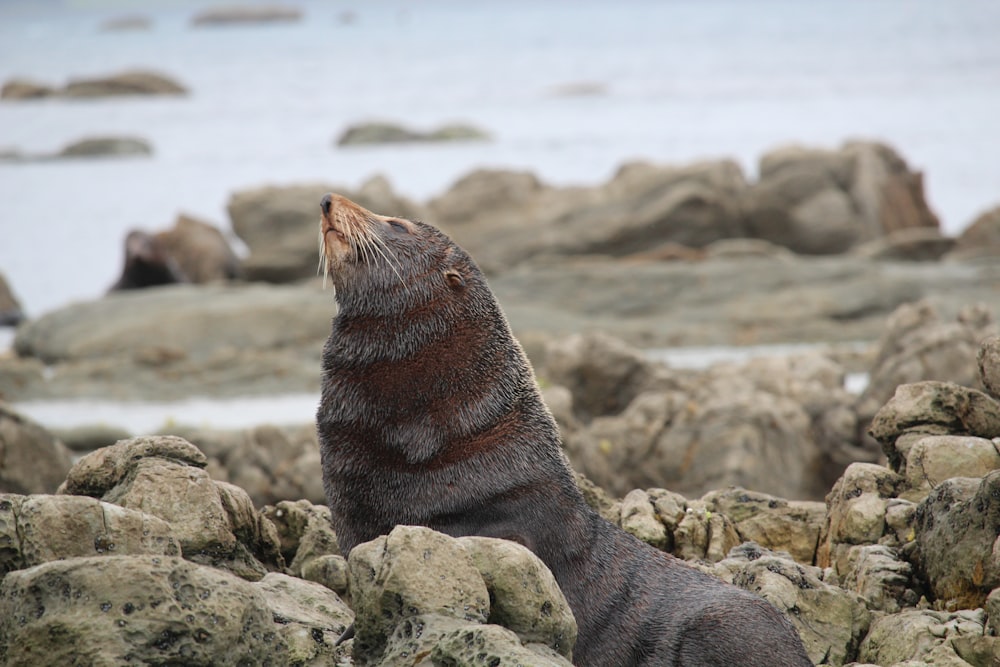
x,y
430,415
147,263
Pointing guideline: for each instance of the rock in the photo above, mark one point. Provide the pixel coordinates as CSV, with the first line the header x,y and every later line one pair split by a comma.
x,y
819,201
981,239
148,609
958,548
988,359
11,313
24,89
773,523
42,528
278,224
132,82
602,373
271,463
925,636
918,345
857,507
934,408
126,23
411,572
31,459
90,437
578,89
731,425
638,516
830,620
246,14
308,617
877,574
214,522
934,458
524,596
389,133
912,244
107,147
703,535
175,342
200,251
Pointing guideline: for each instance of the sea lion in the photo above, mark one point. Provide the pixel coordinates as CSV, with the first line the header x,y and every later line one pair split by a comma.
x,y
147,263
430,415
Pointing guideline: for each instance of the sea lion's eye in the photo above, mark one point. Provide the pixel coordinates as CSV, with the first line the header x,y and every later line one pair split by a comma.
x,y
398,226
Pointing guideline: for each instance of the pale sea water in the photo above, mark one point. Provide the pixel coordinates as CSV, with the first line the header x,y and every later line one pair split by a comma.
x,y
685,80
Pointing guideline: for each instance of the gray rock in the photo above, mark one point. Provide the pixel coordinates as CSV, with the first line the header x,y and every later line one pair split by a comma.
x,y
830,620
214,522
308,617
774,523
148,609
912,244
390,133
638,517
126,23
42,528
106,147
877,574
524,596
980,239
934,458
31,459
704,535
25,89
413,571
246,14
934,408
857,507
988,359
131,82
956,536
918,345
926,636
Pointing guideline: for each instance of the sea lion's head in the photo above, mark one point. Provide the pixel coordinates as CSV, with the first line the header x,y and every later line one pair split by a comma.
x,y
379,263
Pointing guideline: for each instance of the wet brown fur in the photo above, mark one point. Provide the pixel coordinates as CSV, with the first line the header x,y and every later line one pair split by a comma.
x,y
430,415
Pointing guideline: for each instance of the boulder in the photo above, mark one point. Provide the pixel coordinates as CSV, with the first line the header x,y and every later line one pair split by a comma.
x,y
25,89
524,596
411,572
933,408
175,342
11,313
131,82
958,548
279,224
126,23
831,621
735,424
932,459
106,147
911,244
215,523
390,133
202,253
856,512
246,14
39,529
882,579
32,460
819,201
929,637
271,463
774,523
917,344
981,239
988,359
151,609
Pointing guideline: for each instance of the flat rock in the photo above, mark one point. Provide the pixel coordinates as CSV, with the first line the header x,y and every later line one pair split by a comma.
x,y
32,460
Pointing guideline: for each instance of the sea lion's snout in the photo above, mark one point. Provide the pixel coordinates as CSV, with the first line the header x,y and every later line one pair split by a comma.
x,y
326,203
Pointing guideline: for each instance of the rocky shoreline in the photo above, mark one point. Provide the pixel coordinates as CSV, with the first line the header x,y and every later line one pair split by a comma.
x,y
145,554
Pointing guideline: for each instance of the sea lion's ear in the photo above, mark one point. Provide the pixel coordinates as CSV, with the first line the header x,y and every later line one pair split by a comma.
x,y
455,279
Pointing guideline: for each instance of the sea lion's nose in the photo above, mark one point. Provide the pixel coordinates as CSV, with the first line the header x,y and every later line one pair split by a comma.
x,y
325,204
